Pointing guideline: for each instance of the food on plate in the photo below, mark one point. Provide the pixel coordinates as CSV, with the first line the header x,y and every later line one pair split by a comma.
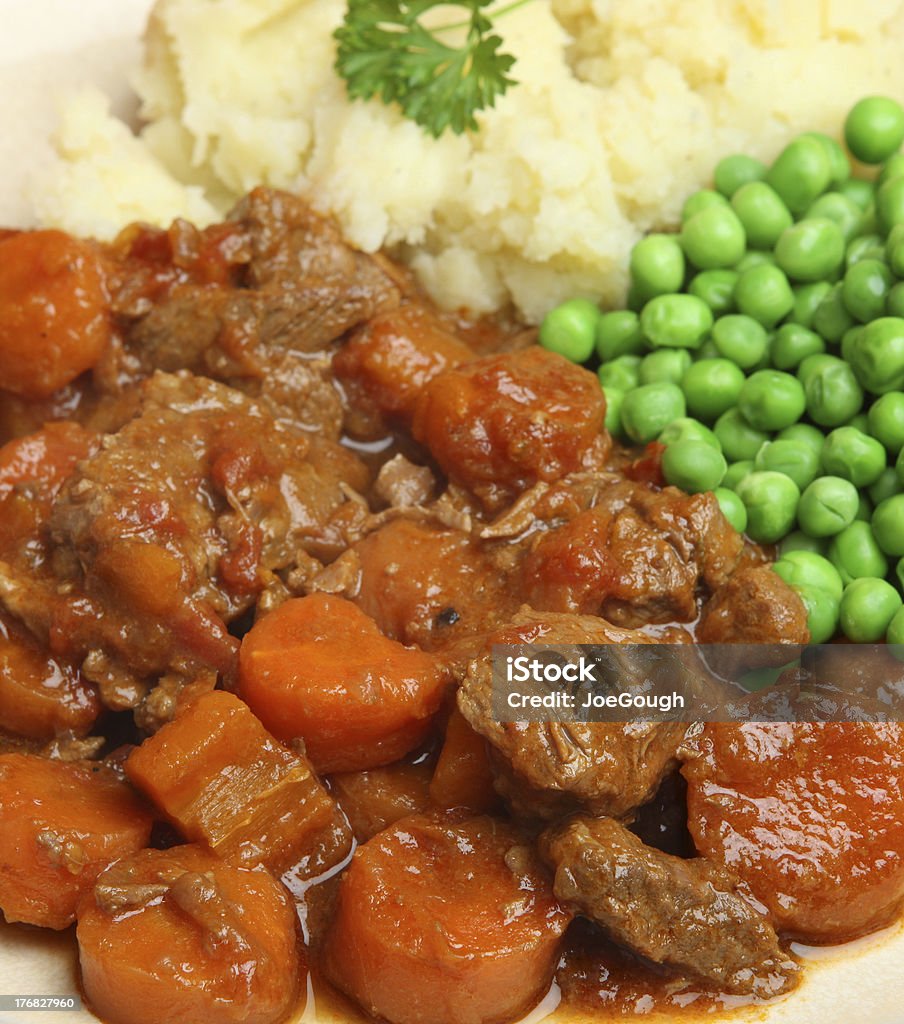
x,y
262,535
619,111
177,935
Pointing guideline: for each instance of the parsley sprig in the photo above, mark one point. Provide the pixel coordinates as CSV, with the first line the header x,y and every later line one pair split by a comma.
x,y
385,50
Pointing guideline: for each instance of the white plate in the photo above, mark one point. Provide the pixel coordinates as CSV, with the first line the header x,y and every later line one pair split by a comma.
x,y
48,47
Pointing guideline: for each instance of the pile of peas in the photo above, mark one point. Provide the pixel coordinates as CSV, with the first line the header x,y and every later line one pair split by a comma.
x,y
763,346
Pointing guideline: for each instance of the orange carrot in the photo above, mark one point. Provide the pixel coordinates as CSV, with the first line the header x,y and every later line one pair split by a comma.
x,y
227,784
318,668
444,921
463,777
54,321
41,696
61,823
374,799
179,937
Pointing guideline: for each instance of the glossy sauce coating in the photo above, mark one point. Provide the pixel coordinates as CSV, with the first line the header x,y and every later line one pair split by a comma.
x,y
810,816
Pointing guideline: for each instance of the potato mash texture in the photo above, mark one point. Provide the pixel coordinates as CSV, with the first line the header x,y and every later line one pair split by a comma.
x,y
622,108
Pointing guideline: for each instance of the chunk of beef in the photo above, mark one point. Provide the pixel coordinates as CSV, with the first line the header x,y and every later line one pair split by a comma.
x,y
638,555
688,914
431,585
555,766
174,527
500,424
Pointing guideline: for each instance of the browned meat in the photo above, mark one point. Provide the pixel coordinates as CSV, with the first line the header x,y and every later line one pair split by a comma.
x,y
637,556
174,528
555,766
688,914
499,424
755,606
431,585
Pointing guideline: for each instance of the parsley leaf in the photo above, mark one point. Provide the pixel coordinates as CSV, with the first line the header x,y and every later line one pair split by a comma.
x,y
384,50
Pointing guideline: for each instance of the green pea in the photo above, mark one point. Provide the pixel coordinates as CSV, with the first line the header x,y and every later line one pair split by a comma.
x,y
741,339
764,294
806,300
754,258
855,553
647,410
762,212
838,208
614,398
822,613
877,355
700,200
804,433
797,540
736,473
732,172
865,288
807,569
899,467
867,607
657,265
707,350
676,321
899,573
623,373
886,486
618,334
771,501
864,509
854,456
890,203
811,249
894,301
832,391
840,166
801,172
732,508
797,461
893,167
888,525
895,633
570,329
694,466
864,247
827,506
635,299
711,386
666,364
894,250
792,344
832,318
687,429
860,422
716,289
886,420
772,400
858,191
713,237
874,129
738,439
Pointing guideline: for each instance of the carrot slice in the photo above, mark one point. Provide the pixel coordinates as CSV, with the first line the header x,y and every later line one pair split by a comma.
x,y
318,668
41,696
54,312
444,921
463,776
61,823
179,937
227,784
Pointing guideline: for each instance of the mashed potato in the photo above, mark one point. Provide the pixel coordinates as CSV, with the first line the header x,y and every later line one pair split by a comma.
x,y
622,109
